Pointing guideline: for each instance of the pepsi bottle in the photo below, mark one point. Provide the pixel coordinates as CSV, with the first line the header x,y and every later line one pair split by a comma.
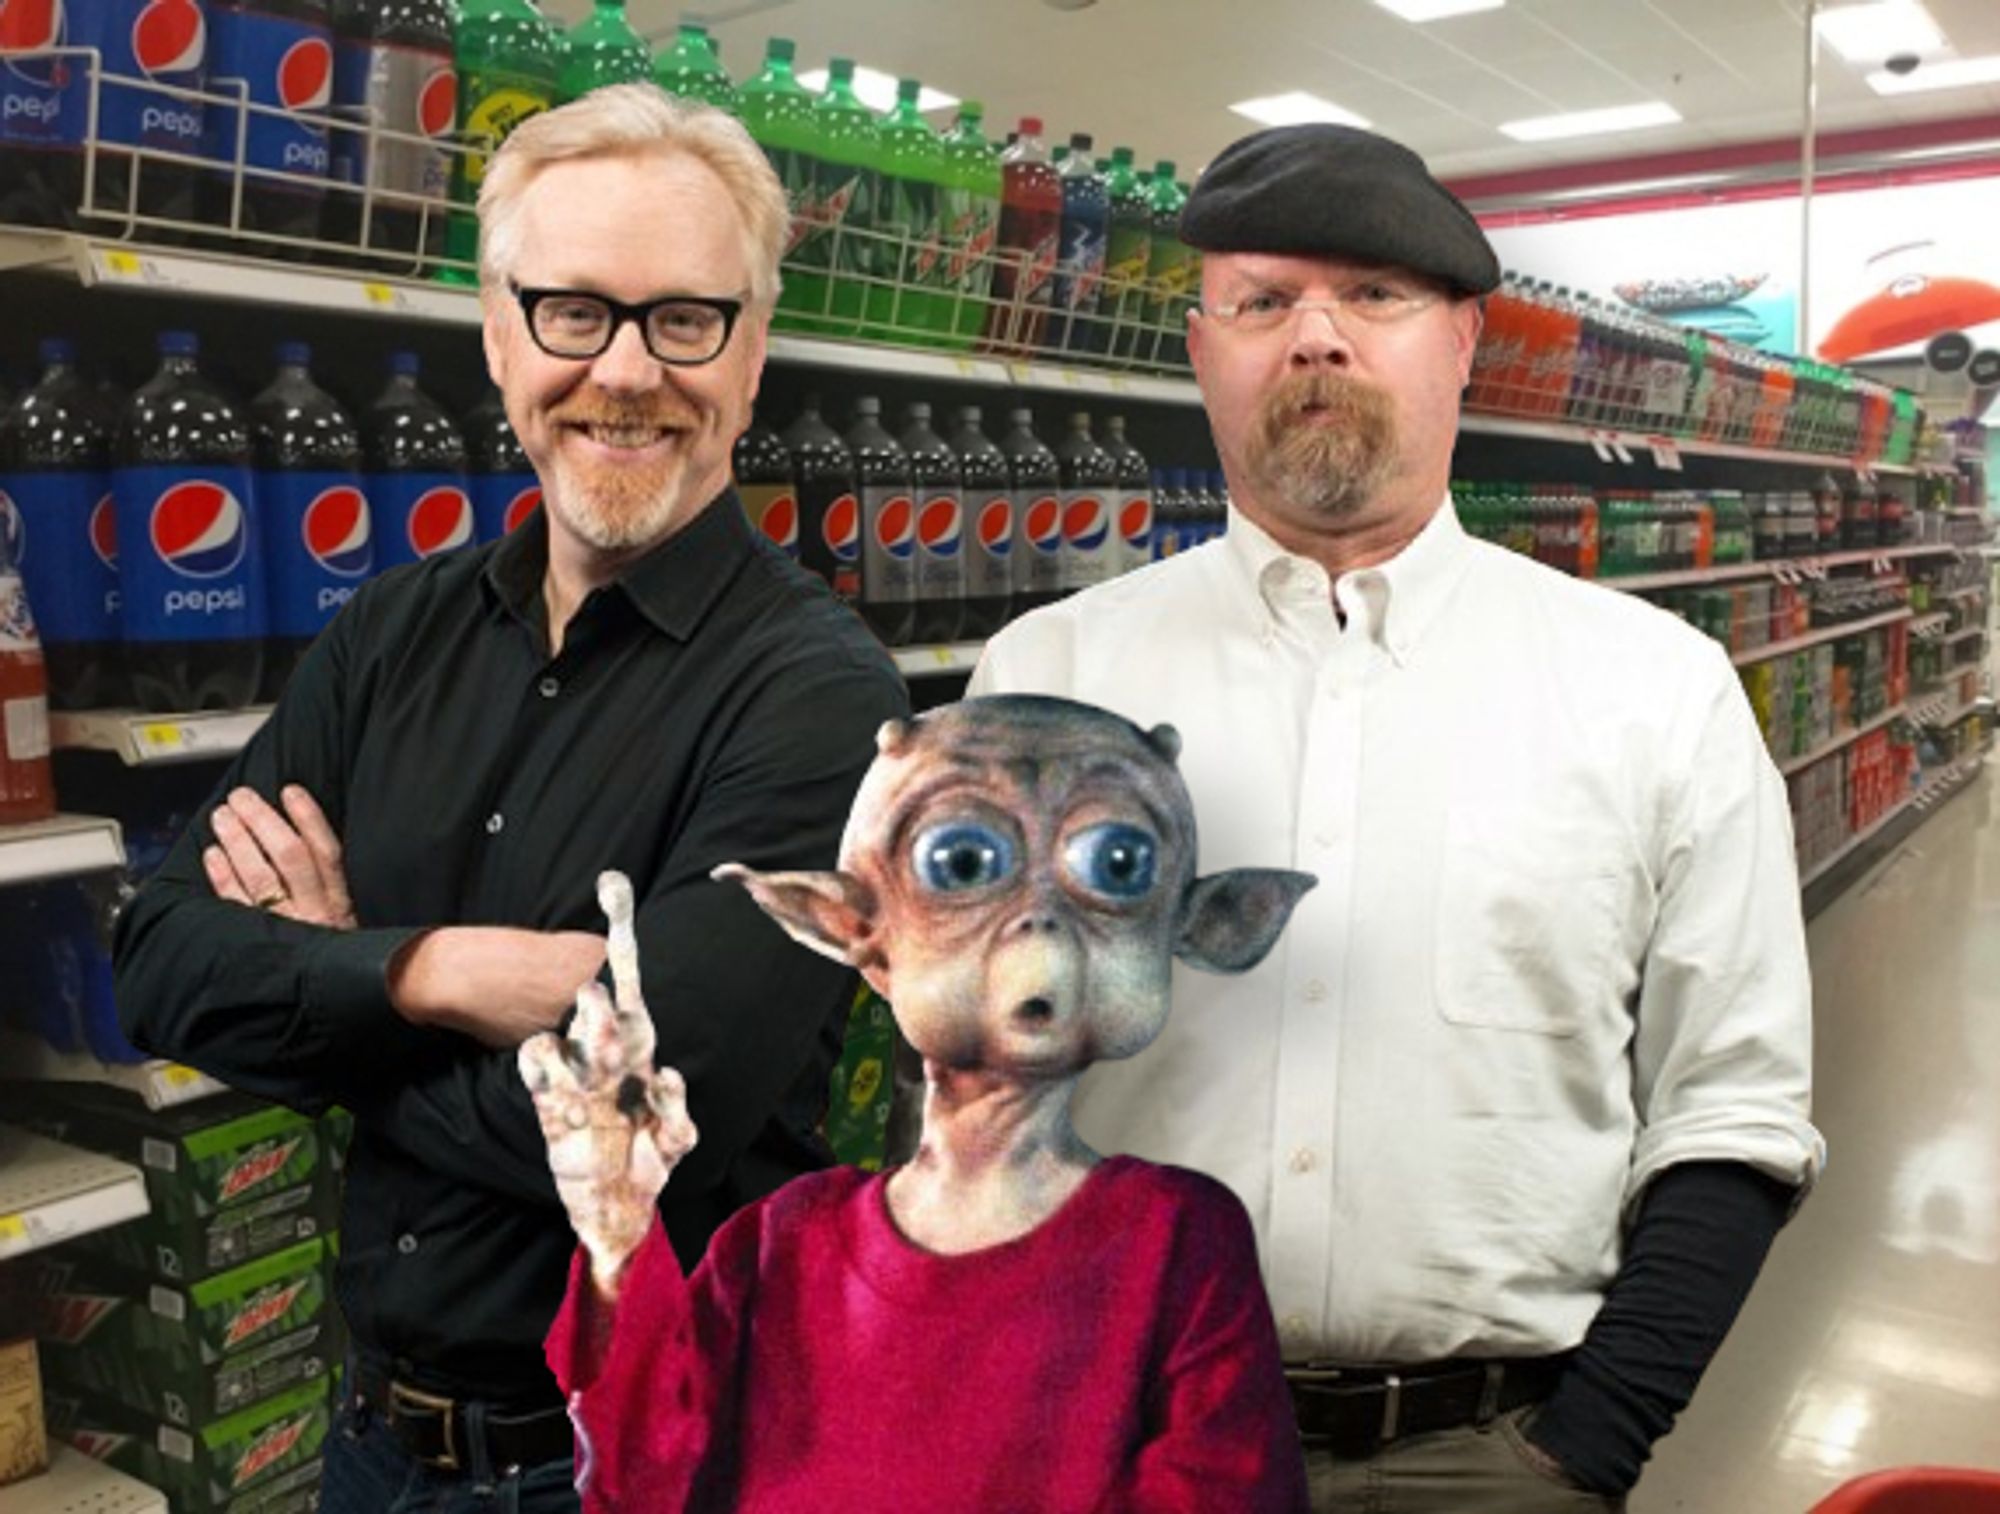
x,y
502,482
276,57
55,478
829,502
1036,478
1089,477
940,507
1166,512
888,526
191,579
988,503
767,486
317,537
414,462
1132,501
395,96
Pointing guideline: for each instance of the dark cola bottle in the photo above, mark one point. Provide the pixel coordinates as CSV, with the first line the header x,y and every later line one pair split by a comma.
x,y
989,526
829,502
768,486
888,526
940,500
414,461
1038,515
502,482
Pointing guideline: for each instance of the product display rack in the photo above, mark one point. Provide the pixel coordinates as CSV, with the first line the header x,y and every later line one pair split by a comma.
x,y
162,1085
51,1193
59,848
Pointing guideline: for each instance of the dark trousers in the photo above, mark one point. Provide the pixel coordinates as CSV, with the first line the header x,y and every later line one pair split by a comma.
x,y
369,1472
1471,1470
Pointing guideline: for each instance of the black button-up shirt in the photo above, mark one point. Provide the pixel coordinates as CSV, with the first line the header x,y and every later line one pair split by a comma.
x,y
715,704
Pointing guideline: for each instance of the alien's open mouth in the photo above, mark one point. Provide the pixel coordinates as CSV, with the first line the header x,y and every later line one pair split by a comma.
x,y
1034,1012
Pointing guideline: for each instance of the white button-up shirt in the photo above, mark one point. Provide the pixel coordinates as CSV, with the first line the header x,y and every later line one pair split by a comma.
x,y
1556,945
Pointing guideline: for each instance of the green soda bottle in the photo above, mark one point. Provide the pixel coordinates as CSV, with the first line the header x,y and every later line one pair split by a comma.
x,y
850,147
1169,272
1128,252
908,204
971,221
691,69
602,49
778,110
509,63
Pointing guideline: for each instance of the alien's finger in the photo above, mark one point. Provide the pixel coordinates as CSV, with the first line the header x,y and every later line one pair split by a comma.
x,y
594,1042
614,893
544,1068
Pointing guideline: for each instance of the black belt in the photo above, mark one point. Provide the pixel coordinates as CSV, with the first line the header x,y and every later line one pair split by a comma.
x,y
1358,1410
436,1429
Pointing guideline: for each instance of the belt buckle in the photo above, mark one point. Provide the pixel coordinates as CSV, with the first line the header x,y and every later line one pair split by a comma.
x,y
401,1396
1392,1406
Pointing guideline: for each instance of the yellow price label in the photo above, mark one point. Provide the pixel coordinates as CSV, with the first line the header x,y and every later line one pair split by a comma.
x,y
12,1228
161,736
1071,377
124,264
966,366
378,294
176,1076
1120,384
943,656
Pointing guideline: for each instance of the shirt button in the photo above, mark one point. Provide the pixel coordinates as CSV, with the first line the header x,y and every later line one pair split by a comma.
x,y
1303,1161
1315,991
407,1244
495,823
548,688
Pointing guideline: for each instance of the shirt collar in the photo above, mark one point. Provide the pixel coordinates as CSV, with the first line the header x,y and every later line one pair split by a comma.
x,y
674,585
1395,602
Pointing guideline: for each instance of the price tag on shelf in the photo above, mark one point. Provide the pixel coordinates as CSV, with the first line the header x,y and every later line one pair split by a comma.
x,y
160,738
966,367
1120,384
1619,449
175,1076
125,265
1666,455
1600,443
12,1228
384,296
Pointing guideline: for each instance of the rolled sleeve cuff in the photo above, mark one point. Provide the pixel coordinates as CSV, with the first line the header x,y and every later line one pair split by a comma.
x,y
345,984
1778,1143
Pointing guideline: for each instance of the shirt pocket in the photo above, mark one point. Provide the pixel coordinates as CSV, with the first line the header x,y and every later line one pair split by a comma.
x,y
1527,923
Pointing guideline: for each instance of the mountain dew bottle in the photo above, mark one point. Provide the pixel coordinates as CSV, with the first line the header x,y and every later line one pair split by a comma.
x,y
509,66
1169,270
1128,253
971,222
602,49
778,110
850,145
908,203
691,69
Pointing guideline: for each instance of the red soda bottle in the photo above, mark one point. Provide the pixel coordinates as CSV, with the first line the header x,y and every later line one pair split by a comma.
x,y
1031,204
27,788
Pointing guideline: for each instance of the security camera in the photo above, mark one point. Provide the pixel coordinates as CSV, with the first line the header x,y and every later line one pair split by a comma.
x,y
1901,63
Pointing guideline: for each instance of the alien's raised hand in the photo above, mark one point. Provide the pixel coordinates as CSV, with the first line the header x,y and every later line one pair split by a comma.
x,y
615,1125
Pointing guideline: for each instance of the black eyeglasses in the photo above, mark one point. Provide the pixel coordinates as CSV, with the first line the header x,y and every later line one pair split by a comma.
x,y
683,330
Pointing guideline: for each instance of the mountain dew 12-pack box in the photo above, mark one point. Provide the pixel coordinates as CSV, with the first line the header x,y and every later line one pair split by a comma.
x,y
188,1354
230,1178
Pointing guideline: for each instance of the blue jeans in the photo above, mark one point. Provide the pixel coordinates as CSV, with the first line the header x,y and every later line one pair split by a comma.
x,y
368,1472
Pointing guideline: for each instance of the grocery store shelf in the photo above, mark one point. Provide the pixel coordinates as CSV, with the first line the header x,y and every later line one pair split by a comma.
x,y
147,740
1944,712
1937,789
1969,592
50,1192
1803,567
79,1484
58,848
1817,638
1792,765
160,1084
1958,636
955,657
1624,445
1926,627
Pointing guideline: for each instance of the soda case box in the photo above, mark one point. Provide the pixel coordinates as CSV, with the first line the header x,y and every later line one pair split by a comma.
x,y
265,1460
24,1441
859,1092
229,1178
190,1356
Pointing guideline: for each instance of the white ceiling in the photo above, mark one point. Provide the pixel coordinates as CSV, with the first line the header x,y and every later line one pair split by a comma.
x,y
1159,75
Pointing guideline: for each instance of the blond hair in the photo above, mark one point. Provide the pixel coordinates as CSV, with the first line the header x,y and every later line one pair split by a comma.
x,y
635,120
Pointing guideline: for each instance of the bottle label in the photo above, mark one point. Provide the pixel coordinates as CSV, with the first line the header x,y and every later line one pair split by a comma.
x,y
971,229
494,104
844,198
64,529
888,545
773,511
796,172
284,66
418,515
941,546
1135,525
320,546
989,568
27,720
45,101
1080,268
909,215
409,98
190,565
1038,541
502,502
1086,533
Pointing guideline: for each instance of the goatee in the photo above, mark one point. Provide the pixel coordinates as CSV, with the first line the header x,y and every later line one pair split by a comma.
x,y
1325,443
614,508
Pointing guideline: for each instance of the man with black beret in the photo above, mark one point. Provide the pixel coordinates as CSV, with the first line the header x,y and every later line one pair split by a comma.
x,y
1520,1102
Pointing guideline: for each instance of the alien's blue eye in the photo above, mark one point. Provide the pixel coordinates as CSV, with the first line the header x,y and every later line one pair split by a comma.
x,y
1114,860
962,855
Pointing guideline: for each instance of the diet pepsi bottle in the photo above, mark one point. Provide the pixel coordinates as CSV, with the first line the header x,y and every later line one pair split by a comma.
x,y
317,538
499,477
1089,477
829,502
276,58
989,527
765,483
190,561
940,508
395,96
45,107
1132,501
1166,512
888,526
55,460
1036,479
414,461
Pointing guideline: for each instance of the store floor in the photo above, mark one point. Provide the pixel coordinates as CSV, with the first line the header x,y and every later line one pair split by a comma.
x,y
1873,1337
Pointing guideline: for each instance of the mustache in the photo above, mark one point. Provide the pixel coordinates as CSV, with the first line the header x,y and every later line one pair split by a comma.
x,y
605,411
1316,389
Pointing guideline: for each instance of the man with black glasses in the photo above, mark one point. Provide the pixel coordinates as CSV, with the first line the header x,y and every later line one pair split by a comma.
x,y
396,884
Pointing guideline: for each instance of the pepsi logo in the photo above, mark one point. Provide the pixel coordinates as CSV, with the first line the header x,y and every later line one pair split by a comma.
x,y
170,37
779,521
1042,525
305,75
842,528
1135,521
1086,523
938,526
200,529
335,531
104,532
996,526
896,526
520,507
440,520
31,25
437,104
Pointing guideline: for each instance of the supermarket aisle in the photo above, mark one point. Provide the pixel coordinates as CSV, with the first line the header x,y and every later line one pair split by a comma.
x,y
1872,1339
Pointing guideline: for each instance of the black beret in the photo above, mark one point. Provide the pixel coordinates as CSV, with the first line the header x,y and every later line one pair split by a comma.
x,y
1337,192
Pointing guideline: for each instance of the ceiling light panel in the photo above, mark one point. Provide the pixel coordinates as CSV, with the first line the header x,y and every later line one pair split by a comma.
x,y
1880,29
1295,108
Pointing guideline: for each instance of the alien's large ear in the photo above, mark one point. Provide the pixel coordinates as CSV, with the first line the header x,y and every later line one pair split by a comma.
x,y
832,913
1230,920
